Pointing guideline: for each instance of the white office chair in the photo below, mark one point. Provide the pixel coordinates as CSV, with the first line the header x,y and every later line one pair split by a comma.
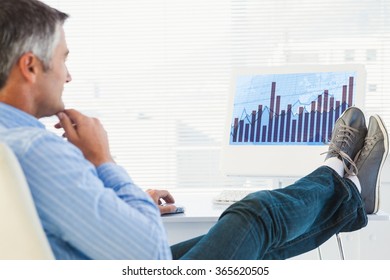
x,y
21,232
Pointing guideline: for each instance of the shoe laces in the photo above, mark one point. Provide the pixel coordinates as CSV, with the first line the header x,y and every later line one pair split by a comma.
x,y
368,143
342,139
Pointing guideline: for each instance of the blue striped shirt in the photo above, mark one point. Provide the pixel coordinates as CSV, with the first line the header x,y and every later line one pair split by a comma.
x,y
86,212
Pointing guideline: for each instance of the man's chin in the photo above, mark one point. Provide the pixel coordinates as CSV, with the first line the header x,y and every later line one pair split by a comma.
x,y
53,112
60,108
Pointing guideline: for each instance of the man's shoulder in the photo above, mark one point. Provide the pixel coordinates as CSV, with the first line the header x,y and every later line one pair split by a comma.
x,y
23,139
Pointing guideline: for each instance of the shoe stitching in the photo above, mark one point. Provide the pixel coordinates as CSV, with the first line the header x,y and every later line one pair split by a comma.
x,y
369,142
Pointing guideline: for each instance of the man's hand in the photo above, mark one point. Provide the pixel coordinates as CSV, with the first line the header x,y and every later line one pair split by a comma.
x,y
87,134
163,199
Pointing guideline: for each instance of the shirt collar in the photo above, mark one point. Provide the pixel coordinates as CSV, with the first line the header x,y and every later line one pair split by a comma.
x,y
11,117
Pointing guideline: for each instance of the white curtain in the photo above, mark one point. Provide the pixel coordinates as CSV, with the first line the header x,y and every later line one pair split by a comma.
x,y
157,72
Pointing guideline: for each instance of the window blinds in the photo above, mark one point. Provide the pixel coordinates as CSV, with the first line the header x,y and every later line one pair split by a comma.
x,y
157,72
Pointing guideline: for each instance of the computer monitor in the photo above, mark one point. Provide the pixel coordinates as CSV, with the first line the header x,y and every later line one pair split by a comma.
x,y
280,119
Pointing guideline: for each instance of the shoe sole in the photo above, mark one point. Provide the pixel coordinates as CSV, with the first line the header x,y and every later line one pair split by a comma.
x,y
386,144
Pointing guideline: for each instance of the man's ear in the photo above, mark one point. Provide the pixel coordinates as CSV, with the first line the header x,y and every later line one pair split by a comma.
x,y
29,66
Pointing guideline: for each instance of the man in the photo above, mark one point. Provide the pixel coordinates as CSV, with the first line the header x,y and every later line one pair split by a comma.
x,y
90,208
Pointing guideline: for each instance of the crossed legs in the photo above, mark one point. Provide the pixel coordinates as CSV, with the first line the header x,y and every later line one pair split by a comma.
x,y
286,222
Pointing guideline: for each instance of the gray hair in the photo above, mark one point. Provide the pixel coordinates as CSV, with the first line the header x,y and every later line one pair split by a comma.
x,y
27,26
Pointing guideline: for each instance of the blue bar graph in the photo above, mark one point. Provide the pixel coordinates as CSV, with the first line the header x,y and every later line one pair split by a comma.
x,y
289,109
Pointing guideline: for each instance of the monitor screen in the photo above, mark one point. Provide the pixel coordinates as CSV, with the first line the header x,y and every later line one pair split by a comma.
x,y
280,119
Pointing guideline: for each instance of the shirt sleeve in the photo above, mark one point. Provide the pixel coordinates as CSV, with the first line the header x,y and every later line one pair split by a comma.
x,y
99,212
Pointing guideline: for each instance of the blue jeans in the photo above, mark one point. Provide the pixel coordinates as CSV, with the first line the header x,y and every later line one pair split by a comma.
x,y
281,223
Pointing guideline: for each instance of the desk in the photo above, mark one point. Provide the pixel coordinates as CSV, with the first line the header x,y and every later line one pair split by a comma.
x,y
201,214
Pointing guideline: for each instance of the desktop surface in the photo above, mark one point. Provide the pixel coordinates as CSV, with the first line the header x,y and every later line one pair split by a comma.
x,y
198,204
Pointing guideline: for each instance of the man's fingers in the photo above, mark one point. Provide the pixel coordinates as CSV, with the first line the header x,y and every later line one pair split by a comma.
x,y
74,115
165,209
67,125
163,199
157,195
168,198
165,195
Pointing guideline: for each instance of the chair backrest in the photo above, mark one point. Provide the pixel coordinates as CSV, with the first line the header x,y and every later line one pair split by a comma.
x,y
21,232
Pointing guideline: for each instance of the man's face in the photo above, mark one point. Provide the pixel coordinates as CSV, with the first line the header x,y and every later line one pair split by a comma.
x,y
51,82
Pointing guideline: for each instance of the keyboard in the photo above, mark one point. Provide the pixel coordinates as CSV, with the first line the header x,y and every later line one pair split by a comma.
x,y
231,195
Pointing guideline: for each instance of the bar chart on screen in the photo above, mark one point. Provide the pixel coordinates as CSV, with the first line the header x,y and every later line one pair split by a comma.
x,y
289,109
